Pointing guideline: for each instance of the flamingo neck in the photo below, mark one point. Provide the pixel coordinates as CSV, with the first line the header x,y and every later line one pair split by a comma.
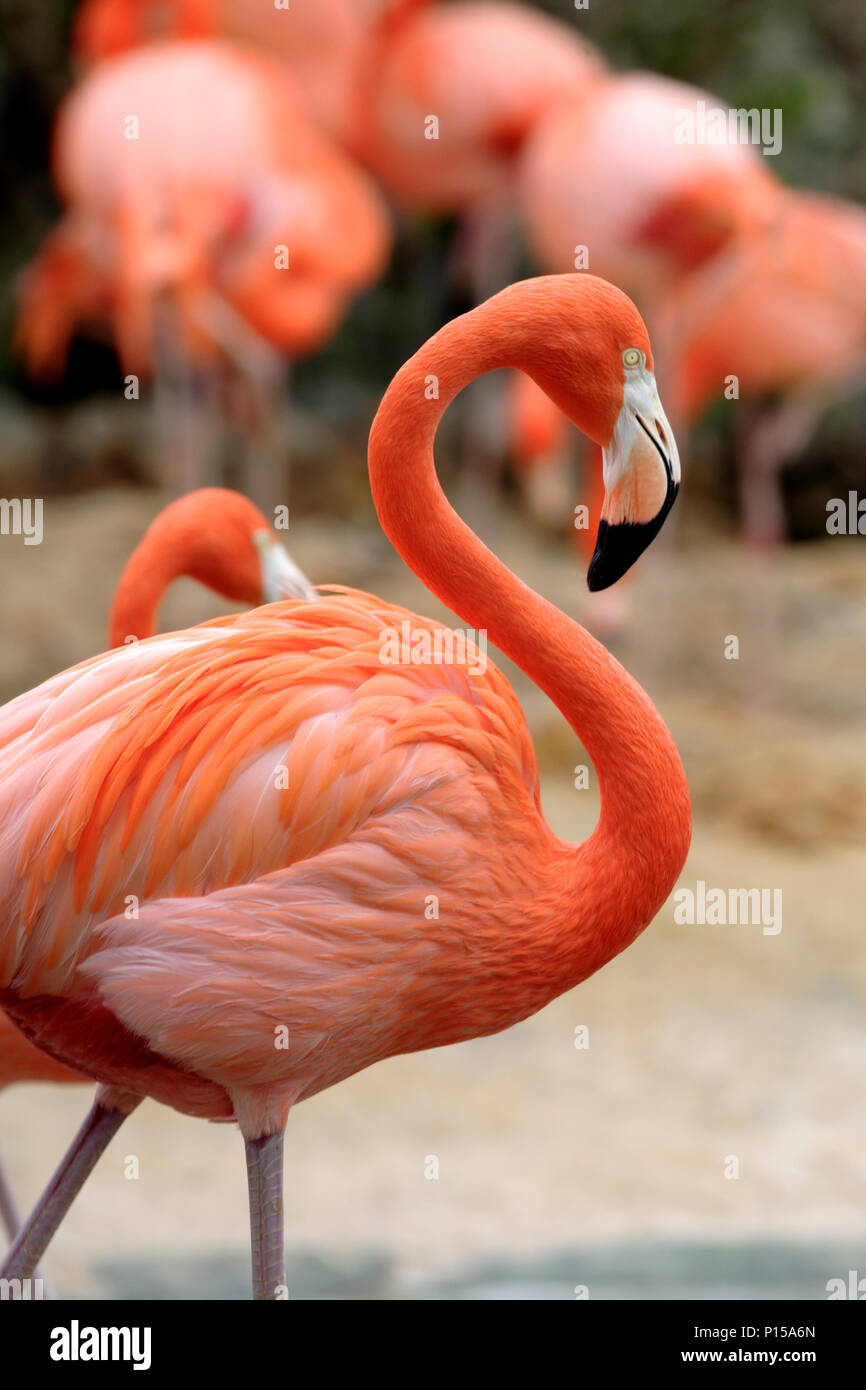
x,y
152,567
629,865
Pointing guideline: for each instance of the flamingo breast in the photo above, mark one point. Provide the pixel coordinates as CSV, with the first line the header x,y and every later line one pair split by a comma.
x,y
259,827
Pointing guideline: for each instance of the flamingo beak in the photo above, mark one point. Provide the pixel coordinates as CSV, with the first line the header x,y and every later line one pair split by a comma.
x,y
641,482
281,577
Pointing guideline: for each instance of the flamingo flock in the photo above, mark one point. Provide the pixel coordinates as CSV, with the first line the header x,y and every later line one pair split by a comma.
x,y
485,110
277,802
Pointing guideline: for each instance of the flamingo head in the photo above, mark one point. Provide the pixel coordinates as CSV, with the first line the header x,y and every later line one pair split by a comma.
x,y
236,551
596,364
641,474
216,537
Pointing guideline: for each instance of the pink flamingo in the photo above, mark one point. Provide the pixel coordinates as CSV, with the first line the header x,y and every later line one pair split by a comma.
x,y
782,314
485,72
610,175
210,226
220,539
606,184
451,94
244,861
323,44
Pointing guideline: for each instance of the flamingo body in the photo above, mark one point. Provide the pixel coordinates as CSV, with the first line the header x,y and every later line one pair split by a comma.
x,y
323,886
194,203
322,43
609,174
783,310
486,71
219,538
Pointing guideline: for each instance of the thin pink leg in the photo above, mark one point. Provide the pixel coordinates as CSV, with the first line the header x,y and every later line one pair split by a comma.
x,y
267,1239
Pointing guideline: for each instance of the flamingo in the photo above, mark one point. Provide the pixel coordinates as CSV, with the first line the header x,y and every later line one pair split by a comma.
x,y
208,221
487,72
607,174
784,312
322,43
219,538
243,862
215,536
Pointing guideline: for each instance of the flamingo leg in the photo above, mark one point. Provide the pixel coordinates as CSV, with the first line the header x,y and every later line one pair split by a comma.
x,y
267,1240
99,1128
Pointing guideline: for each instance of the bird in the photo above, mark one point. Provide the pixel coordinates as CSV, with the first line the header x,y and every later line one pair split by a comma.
x,y
782,316
321,43
209,228
603,183
213,535
242,862
449,95
216,536
485,72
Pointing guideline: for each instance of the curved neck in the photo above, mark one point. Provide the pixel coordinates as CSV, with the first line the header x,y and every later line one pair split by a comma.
x,y
151,568
642,836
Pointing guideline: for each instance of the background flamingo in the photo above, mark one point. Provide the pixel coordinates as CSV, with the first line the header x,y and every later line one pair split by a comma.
x,y
783,312
322,43
485,72
173,237
607,179
288,801
610,175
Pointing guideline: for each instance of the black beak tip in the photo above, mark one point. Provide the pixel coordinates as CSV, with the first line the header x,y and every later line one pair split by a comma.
x,y
617,547
614,553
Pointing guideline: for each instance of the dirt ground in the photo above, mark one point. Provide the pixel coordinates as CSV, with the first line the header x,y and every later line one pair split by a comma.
x,y
712,1049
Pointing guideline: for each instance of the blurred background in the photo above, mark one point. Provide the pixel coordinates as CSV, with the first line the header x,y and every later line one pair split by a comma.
x,y
609,1166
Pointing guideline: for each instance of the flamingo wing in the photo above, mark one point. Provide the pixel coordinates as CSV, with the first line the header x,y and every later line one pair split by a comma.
x,y
219,828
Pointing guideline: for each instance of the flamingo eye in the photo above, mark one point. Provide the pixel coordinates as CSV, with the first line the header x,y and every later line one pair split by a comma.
x,y
631,357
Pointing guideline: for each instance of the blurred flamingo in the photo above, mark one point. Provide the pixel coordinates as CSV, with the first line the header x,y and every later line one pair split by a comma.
x,y
220,539
451,94
605,184
210,226
484,72
288,804
322,43
610,175
782,316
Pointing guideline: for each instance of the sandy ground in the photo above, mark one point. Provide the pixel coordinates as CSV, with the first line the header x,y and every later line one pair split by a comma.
x,y
711,1048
